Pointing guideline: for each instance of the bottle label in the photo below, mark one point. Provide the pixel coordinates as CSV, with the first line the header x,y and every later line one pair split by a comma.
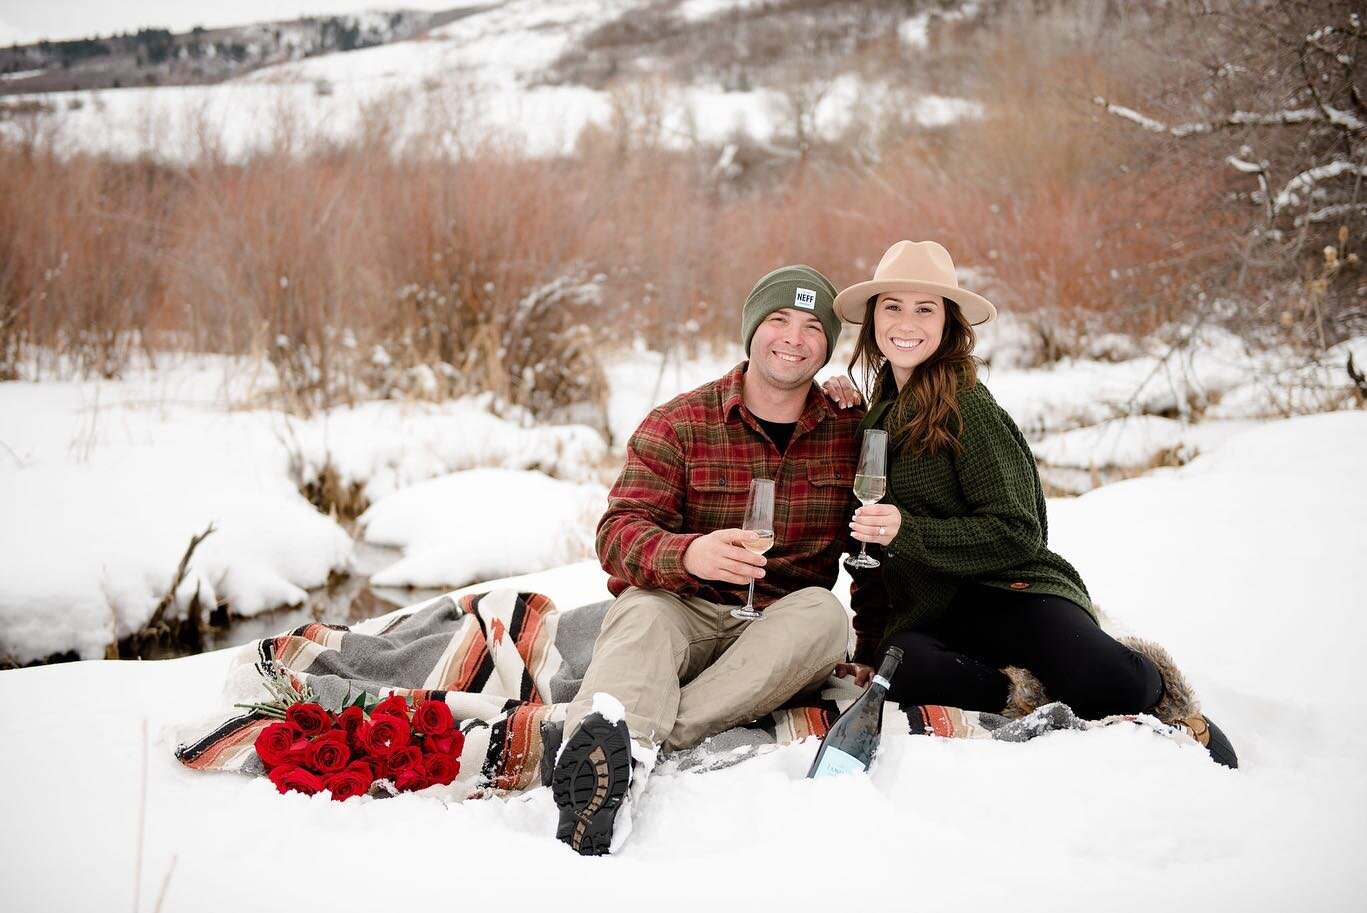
x,y
879,680
835,762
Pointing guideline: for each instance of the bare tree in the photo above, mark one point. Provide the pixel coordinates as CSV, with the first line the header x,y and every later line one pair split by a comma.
x,y
1272,89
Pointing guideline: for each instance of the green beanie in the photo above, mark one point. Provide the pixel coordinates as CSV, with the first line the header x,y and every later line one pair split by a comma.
x,y
799,287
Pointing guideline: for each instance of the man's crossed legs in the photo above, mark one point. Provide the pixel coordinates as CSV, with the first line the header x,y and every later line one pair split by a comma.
x,y
683,669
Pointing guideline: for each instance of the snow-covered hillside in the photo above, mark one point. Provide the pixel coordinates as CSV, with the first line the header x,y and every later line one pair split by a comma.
x,y
478,79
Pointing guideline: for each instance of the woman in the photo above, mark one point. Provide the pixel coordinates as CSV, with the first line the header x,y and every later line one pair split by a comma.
x,y
987,617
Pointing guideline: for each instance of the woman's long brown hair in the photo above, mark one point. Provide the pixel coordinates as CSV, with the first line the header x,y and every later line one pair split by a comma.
x,y
923,419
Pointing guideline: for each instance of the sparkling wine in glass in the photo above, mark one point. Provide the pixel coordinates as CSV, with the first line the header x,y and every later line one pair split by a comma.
x,y
759,518
870,484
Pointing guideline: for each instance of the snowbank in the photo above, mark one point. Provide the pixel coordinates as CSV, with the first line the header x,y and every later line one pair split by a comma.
x,y
1243,563
481,525
104,484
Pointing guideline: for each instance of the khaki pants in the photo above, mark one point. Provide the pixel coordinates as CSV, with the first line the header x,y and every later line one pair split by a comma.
x,y
684,669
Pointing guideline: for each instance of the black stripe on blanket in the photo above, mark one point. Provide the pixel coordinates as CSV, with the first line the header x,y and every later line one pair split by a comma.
x,y
483,672
493,756
188,753
516,622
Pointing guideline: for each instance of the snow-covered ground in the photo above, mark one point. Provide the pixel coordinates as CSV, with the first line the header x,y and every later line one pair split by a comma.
x,y
471,81
104,483
1244,563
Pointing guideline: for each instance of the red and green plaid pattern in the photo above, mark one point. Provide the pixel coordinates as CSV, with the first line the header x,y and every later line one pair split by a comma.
x,y
688,471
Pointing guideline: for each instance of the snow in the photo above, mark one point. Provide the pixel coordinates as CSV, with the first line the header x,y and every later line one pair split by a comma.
x,y
473,81
1243,563
63,20
104,483
1304,182
483,524
697,10
915,31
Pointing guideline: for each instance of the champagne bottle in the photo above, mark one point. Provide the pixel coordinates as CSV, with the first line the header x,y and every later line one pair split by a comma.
x,y
853,738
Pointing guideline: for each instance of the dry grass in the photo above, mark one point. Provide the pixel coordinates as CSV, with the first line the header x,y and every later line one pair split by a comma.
x,y
362,271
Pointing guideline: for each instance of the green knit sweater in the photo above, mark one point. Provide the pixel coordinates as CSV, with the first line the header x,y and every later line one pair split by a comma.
x,y
977,515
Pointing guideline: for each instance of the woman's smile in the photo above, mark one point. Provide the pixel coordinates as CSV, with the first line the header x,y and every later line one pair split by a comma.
x,y
908,327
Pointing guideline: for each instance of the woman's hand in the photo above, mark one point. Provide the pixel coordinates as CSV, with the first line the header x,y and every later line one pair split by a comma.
x,y
861,672
842,391
876,523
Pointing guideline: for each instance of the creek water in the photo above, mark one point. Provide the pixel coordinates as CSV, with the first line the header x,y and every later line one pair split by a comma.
x,y
346,601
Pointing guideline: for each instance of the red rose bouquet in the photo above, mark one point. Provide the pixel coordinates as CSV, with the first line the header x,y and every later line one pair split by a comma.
x,y
310,749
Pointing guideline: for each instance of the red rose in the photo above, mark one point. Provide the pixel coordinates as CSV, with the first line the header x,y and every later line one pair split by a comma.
x,y
273,743
300,753
288,777
441,768
353,781
359,739
385,734
310,718
401,759
330,752
449,743
394,705
433,718
411,779
361,768
349,720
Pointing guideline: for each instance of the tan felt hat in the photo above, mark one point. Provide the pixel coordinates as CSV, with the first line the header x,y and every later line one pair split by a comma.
x,y
914,266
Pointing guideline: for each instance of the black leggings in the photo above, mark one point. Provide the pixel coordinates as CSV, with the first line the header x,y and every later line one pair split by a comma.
x,y
957,660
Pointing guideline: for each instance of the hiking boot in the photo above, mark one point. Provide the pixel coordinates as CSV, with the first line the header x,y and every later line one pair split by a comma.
x,y
1208,734
1178,705
589,782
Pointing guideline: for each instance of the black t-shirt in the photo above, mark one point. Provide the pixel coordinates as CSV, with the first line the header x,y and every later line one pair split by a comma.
x,y
779,432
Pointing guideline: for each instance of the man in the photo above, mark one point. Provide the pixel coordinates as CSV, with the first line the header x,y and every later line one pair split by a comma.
x,y
669,651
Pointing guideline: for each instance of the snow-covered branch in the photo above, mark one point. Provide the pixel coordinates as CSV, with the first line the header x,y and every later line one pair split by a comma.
x,y
1302,183
1239,164
1330,213
1288,117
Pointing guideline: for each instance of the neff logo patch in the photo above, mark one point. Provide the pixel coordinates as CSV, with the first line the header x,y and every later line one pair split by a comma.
x,y
805,298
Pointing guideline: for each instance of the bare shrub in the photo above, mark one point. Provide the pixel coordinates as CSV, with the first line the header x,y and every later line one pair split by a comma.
x,y
438,264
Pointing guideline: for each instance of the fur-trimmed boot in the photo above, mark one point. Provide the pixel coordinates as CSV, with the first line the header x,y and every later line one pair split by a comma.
x,y
1025,694
1178,707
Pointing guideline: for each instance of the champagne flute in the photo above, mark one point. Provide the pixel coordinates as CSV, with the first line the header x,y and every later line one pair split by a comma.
x,y
870,484
759,518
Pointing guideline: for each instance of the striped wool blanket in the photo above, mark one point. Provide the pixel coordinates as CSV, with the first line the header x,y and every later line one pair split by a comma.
x,y
504,662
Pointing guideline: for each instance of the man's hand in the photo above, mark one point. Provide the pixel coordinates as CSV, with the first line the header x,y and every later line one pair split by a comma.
x,y
719,555
861,672
842,391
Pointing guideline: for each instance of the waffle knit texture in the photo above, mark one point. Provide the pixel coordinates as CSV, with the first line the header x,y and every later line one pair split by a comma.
x,y
976,515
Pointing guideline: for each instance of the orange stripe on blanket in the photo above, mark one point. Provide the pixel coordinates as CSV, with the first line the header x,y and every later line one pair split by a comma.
x,y
521,748
528,641
474,656
938,720
815,720
234,744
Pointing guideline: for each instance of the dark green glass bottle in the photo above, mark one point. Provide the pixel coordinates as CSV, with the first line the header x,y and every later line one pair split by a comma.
x,y
853,738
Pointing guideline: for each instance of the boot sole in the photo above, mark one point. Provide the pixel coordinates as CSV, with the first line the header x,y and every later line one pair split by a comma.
x,y
590,782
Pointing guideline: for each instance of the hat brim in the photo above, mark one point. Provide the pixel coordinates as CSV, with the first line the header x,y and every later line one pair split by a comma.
x,y
850,304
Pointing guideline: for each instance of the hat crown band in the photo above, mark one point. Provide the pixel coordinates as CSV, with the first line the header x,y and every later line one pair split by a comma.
x,y
912,262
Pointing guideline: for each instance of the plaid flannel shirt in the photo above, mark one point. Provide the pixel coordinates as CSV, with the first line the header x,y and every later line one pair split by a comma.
x,y
687,473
